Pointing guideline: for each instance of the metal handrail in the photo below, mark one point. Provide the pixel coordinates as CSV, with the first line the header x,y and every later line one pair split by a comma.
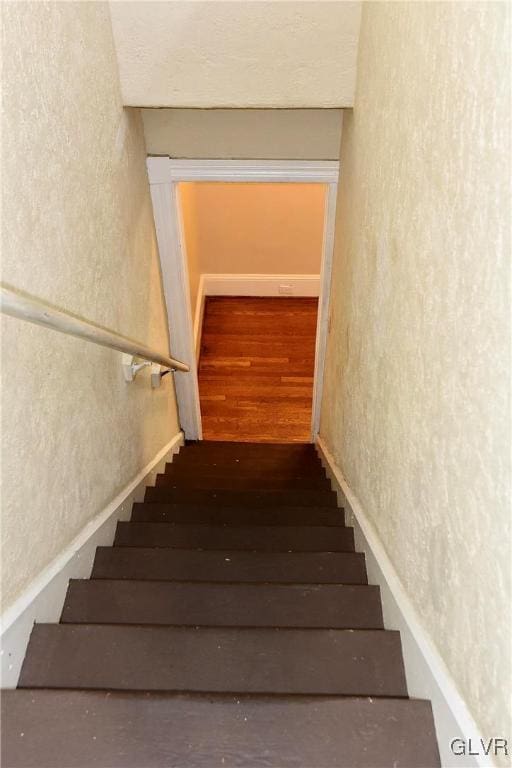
x,y
35,311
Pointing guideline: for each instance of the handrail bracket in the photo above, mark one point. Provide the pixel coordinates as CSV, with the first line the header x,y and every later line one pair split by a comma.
x,y
157,374
131,368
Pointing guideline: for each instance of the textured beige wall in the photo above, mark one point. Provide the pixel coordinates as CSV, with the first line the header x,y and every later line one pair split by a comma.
x,y
78,232
241,53
237,228
273,134
416,405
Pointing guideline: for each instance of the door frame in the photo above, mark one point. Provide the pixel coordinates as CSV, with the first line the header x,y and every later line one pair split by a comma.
x,y
165,174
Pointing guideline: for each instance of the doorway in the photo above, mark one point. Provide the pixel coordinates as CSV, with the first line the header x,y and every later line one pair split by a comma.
x,y
166,176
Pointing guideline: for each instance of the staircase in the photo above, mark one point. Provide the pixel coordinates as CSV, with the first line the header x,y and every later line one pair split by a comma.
x,y
231,624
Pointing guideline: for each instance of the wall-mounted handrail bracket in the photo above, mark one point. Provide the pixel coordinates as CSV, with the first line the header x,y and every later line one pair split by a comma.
x,y
157,374
131,368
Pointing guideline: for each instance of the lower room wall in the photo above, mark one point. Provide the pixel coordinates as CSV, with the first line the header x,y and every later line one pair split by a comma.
x,y
253,228
251,239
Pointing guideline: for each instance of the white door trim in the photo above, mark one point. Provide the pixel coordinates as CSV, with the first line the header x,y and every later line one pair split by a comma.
x,y
164,170
166,211
323,306
164,175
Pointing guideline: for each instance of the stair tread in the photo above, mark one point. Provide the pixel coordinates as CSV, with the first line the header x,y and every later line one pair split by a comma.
x,y
192,565
235,480
93,729
210,604
247,447
303,466
255,497
205,514
276,461
240,537
119,657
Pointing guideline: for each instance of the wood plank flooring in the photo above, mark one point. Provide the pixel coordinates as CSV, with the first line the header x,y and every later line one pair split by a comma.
x,y
256,368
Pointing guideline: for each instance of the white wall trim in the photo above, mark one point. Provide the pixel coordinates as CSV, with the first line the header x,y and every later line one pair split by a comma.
x,y
260,285
43,599
323,306
428,677
199,316
169,232
164,170
164,175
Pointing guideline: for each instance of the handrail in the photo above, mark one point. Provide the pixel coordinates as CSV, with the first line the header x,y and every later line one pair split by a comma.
x,y
35,311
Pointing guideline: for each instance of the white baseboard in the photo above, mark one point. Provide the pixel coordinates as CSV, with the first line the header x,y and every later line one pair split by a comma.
x,y
42,601
198,316
427,675
261,285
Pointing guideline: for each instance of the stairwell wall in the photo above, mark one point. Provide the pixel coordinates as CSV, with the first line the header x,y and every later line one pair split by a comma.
x,y
416,407
79,234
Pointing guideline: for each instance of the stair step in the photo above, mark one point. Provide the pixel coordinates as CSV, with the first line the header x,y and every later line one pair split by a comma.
x,y
193,565
257,538
232,448
120,657
235,480
251,453
285,465
94,729
250,498
205,514
244,605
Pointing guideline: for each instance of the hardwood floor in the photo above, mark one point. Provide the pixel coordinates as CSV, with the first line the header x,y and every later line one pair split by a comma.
x,y
256,368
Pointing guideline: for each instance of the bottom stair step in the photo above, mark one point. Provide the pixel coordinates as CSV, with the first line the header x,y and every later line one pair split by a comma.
x,y
304,661
94,729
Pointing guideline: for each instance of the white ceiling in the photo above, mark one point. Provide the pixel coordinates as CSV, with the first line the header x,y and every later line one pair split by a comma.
x,y
214,53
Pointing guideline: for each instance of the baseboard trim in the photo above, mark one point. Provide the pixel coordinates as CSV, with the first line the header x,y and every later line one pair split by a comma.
x,y
261,285
427,675
198,316
43,599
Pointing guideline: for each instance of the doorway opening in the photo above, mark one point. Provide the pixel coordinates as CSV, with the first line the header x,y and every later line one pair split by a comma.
x,y
254,253
246,249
